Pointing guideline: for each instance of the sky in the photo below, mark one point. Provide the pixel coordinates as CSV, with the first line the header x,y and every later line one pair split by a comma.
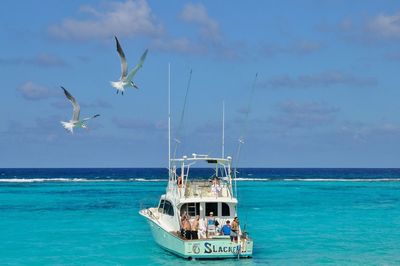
x,y
326,94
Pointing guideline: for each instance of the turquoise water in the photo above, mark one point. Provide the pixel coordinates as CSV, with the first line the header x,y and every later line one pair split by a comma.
x,y
88,222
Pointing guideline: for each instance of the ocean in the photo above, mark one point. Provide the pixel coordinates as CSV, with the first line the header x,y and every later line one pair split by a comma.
x,y
295,216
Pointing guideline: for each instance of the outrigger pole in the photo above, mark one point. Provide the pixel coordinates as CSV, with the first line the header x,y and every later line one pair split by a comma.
x,y
223,129
241,139
169,120
177,141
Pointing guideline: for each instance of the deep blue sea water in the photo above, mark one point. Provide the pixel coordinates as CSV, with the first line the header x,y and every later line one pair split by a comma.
x,y
295,216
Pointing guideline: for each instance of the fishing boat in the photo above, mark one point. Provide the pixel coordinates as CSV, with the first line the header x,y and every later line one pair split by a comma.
x,y
198,197
200,188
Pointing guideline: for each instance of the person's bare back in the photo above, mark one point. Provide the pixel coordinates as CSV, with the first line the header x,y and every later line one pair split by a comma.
x,y
186,225
195,225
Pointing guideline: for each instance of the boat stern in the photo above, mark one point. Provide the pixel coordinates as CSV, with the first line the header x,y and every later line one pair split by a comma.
x,y
217,248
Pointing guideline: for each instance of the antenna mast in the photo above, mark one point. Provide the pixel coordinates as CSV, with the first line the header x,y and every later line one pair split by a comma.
x,y
223,129
169,120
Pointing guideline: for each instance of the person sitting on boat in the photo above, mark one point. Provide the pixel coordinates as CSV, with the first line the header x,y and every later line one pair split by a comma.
x,y
195,227
234,229
211,225
226,229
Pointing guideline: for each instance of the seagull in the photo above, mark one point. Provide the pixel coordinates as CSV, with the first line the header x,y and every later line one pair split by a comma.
x,y
75,122
126,79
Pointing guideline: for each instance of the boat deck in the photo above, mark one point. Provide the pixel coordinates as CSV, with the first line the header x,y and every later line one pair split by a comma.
x,y
216,237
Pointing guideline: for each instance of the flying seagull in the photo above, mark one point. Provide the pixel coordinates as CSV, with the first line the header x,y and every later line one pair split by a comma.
x,y
74,122
126,79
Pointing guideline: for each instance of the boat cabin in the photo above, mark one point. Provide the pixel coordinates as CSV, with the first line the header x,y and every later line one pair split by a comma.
x,y
198,191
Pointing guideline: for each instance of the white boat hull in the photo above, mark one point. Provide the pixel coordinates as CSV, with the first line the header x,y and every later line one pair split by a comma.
x,y
216,248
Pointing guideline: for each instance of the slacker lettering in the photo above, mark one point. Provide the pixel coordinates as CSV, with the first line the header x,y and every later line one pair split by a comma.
x,y
209,248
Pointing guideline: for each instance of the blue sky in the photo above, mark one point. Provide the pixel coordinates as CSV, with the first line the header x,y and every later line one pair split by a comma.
x,y
327,93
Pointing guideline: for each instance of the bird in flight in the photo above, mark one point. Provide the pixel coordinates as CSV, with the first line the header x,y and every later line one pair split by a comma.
x,y
125,80
75,122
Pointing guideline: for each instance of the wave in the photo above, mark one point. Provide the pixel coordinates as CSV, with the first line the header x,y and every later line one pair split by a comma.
x,y
343,179
239,179
54,180
252,179
321,179
33,180
147,180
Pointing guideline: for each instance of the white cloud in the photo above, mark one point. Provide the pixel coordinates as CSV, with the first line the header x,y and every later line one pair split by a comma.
x,y
299,48
387,26
364,131
322,79
135,18
373,29
32,91
211,40
307,108
139,124
127,19
304,115
42,60
48,60
180,45
197,13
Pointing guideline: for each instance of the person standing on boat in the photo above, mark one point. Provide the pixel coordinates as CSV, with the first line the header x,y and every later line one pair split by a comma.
x,y
211,226
179,182
235,229
226,229
183,217
181,224
187,230
202,233
215,187
195,227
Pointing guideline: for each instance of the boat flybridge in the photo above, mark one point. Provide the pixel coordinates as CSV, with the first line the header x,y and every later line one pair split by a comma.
x,y
194,194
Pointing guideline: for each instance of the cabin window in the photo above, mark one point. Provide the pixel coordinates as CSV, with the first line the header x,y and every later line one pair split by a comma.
x,y
192,208
161,207
225,209
168,208
212,207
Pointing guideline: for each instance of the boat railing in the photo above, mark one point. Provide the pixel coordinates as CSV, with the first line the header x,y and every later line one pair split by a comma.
x,y
205,189
200,189
220,171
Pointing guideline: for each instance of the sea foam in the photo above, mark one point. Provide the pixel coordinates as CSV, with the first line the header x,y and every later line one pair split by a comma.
x,y
239,179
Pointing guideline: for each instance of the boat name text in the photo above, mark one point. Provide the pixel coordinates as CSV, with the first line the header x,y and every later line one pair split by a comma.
x,y
209,248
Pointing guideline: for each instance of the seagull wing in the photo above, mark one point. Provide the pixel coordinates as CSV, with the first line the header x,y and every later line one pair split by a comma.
x,y
138,66
124,66
75,105
88,118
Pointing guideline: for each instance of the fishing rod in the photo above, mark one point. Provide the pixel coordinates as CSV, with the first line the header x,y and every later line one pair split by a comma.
x,y
241,142
177,141
244,129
